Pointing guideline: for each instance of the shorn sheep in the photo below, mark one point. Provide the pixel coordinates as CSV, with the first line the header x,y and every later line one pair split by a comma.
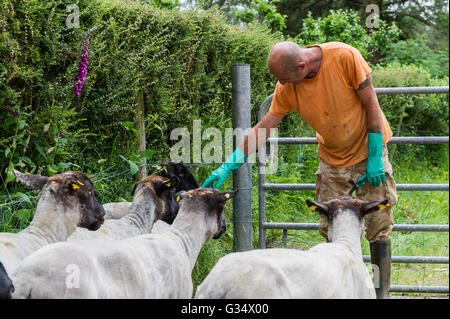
x,y
146,266
328,270
153,199
186,180
67,200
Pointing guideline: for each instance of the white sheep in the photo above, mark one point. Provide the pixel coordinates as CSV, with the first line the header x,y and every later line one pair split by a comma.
x,y
66,201
186,181
146,266
153,199
116,210
327,270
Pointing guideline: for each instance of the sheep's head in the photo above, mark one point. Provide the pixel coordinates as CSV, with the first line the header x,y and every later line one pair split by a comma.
x,y
210,200
6,285
162,190
336,205
185,178
350,208
74,190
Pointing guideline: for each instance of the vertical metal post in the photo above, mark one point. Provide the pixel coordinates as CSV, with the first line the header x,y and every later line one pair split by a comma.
x,y
242,206
140,118
262,199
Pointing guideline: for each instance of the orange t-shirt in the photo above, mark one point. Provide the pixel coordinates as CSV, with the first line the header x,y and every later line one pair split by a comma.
x,y
329,103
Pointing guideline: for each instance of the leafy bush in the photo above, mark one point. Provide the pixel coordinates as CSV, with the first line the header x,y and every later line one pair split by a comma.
x,y
265,13
181,61
345,26
417,51
412,114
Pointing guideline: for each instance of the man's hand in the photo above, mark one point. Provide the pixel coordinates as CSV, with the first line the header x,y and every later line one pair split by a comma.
x,y
236,160
374,166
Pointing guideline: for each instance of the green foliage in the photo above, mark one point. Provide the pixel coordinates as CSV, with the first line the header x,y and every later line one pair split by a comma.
x,y
418,51
423,114
345,26
164,4
263,12
180,60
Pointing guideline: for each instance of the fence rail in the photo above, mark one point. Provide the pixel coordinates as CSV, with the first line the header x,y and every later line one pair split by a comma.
x,y
263,187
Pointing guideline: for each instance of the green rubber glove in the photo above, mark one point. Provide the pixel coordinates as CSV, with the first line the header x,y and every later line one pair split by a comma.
x,y
236,160
374,166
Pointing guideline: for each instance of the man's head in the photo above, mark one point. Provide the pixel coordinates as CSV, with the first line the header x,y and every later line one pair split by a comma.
x,y
287,62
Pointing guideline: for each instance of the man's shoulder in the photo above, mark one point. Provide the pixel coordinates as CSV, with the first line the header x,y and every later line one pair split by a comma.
x,y
284,88
338,48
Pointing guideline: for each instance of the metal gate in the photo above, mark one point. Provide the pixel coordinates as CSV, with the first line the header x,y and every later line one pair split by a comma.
x,y
263,186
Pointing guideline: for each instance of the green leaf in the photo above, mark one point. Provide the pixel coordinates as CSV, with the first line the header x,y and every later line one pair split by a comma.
x,y
147,154
133,167
25,197
39,149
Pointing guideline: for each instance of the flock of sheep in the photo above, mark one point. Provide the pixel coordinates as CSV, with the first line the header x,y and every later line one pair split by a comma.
x,y
75,247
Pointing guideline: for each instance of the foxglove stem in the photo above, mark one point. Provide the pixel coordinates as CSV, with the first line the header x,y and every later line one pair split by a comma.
x,y
79,80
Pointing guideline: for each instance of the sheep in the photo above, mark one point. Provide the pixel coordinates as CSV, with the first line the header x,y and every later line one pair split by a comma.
x,y
6,285
187,182
153,199
67,200
327,270
146,266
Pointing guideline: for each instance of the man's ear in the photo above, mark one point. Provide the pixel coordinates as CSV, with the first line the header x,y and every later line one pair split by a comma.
x,y
372,207
30,180
316,206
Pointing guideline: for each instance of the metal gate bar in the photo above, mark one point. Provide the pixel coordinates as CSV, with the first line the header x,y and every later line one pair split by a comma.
x,y
263,187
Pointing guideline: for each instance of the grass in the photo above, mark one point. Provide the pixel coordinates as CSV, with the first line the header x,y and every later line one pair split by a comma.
x,y
114,184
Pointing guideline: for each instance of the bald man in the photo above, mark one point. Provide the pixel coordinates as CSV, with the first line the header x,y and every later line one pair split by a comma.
x,y
329,86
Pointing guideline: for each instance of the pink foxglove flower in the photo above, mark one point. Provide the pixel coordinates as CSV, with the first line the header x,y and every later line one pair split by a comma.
x,y
79,81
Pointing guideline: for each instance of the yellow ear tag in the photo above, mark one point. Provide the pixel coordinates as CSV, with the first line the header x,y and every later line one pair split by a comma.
x,y
178,198
80,183
227,195
381,206
74,186
313,207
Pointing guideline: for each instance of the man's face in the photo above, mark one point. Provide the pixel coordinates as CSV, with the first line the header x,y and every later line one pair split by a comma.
x,y
294,77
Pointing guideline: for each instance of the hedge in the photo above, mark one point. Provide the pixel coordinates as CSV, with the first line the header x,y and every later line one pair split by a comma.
x,y
180,60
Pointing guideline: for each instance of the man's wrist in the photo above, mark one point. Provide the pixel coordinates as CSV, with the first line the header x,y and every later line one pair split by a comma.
x,y
235,160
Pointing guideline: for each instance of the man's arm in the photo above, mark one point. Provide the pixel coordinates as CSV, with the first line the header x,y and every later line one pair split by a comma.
x,y
368,97
259,133
374,117
257,136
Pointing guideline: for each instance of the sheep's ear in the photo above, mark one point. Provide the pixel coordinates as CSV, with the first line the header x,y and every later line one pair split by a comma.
x,y
30,180
179,196
223,197
71,185
317,206
133,189
170,183
372,207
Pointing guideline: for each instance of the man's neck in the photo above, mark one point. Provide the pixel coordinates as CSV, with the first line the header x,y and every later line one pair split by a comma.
x,y
314,57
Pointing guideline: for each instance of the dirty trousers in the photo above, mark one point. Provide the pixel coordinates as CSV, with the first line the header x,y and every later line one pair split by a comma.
x,y
333,181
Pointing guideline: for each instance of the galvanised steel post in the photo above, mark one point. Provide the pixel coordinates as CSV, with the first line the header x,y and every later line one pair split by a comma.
x,y
242,206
